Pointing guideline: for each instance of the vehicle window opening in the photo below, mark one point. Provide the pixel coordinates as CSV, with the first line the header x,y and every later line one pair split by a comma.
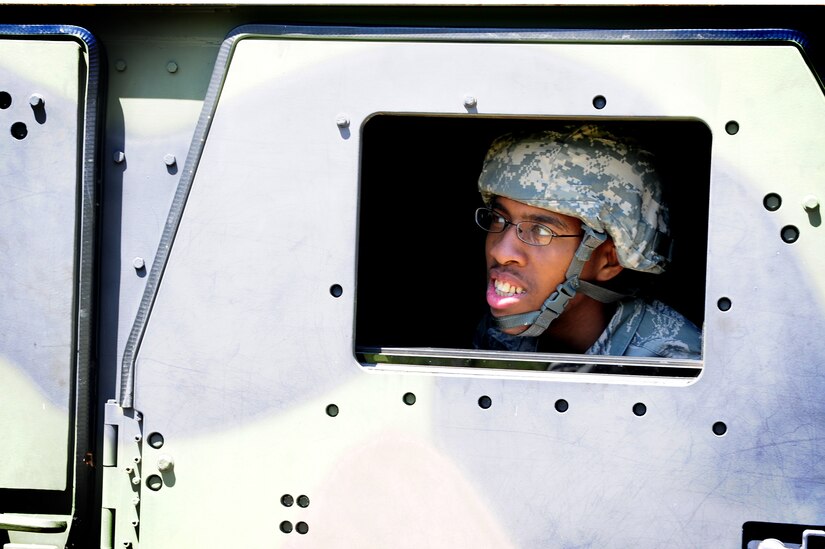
x,y
421,279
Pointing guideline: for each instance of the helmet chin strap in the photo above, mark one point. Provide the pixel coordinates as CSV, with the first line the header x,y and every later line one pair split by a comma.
x,y
538,321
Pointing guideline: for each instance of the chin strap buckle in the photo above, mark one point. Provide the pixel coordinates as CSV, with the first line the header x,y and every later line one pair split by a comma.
x,y
553,306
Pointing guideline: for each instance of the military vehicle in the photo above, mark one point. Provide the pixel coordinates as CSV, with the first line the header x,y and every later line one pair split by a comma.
x,y
239,278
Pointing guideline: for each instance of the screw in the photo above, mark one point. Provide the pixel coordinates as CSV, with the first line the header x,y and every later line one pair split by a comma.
x,y
127,543
342,121
172,67
470,101
120,65
36,100
138,263
169,159
810,203
128,470
119,157
138,438
136,459
135,522
165,463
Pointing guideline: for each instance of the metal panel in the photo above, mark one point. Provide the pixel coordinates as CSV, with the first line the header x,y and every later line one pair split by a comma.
x,y
40,138
246,348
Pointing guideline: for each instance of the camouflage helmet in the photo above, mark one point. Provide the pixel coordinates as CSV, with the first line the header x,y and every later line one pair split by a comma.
x,y
589,173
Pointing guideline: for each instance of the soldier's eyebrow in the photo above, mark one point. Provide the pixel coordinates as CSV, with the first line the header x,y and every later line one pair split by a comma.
x,y
549,220
544,219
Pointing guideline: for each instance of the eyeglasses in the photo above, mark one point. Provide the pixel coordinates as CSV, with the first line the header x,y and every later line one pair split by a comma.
x,y
529,232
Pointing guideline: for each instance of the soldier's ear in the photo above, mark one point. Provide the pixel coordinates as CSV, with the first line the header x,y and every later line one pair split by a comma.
x,y
606,261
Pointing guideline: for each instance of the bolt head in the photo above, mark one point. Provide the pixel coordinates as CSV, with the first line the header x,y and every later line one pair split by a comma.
x,y
172,67
342,120
138,263
36,100
470,101
169,159
771,543
166,463
120,65
119,157
810,202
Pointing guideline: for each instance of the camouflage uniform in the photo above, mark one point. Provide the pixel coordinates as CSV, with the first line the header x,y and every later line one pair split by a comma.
x,y
638,328
612,186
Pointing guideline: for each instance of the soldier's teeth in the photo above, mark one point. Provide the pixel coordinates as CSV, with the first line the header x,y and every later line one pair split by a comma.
x,y
506,290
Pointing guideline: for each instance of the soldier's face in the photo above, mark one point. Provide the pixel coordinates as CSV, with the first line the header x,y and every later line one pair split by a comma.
x,y
520,277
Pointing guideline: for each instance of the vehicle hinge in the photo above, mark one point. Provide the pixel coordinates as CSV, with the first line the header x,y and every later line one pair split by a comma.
x,y
122,453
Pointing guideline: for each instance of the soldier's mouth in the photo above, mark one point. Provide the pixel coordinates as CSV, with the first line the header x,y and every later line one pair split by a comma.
x,y
505,289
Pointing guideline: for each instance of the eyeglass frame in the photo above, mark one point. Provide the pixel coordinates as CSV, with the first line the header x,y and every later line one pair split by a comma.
x,y
519,230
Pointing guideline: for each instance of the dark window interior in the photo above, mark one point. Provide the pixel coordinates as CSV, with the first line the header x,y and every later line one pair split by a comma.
x,y
421,267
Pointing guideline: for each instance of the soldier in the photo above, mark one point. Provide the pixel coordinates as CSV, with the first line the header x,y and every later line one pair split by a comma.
x,y
566,213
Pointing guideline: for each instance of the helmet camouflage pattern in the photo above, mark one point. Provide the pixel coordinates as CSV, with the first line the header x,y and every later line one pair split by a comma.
x,y
589,173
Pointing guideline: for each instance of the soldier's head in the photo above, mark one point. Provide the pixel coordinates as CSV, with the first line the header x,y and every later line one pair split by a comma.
x,y
584,204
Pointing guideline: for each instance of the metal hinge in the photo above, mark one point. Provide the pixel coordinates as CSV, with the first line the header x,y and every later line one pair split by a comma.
x,y
122,455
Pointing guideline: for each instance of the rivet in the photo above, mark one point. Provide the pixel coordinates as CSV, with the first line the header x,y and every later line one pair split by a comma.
x,y
136,459
165,463
470,101
127,543
36,100
138,438
342,121
138,263
136,480
771,543
172,67
128,470
120,65
135,522
169,159
810,203
119,157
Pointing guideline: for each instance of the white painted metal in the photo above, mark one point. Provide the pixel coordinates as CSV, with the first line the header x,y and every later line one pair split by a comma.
x,y
245,346
38,253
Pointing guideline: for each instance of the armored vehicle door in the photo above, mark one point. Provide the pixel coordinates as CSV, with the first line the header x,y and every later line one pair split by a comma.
x,y
295,375
48,81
